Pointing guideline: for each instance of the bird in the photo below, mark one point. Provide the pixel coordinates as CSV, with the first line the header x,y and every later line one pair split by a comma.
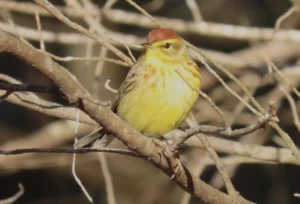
x,y
159,90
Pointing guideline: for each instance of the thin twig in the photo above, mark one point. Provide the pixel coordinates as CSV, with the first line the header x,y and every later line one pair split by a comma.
x,y
194,8
238,109
282,133
31,9
29,88
39,26
104,59
77,179
292,105
282,18
32,101
221,114
98,72
15,197
7,16
217,131
89,48
129,52
145,13
259,152
100,65
289,142
68,151
110,195
233,160
111,199
100,39
239,60
108,87
218,30
223,82
274,67
229,186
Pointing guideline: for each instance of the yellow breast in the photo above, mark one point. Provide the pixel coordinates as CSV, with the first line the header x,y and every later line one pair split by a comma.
x,y
161,99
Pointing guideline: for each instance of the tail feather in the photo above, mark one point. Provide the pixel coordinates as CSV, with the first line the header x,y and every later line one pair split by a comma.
x,y
103,141
96,139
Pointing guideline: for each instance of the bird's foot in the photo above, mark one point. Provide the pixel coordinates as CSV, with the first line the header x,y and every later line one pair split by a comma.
x,y
167,149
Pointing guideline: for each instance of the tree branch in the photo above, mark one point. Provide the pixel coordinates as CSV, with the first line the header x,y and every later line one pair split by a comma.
x,y
222,132
68,151
29,88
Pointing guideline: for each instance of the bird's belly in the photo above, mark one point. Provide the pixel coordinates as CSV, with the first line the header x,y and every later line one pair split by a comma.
x,y
156,110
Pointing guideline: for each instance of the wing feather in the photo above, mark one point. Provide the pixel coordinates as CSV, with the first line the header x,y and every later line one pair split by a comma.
x,y
129,82
101,138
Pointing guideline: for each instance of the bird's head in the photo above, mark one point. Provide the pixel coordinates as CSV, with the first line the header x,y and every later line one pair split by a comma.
x,y
165,43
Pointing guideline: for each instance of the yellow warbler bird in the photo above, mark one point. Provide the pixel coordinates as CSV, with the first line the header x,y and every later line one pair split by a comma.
x,y
159,90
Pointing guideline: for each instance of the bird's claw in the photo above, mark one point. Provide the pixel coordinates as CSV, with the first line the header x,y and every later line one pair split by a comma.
x,y
171,153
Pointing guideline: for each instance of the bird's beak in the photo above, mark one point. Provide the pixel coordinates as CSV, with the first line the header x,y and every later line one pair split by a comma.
x,y
146,45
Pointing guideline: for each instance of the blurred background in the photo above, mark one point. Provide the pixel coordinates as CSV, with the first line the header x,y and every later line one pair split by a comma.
x,y
47,178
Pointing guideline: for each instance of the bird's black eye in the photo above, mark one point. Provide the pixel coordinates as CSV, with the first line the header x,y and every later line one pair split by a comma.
x,y
167,45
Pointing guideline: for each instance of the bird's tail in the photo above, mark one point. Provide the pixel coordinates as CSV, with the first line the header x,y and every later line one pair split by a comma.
x,y
96,139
